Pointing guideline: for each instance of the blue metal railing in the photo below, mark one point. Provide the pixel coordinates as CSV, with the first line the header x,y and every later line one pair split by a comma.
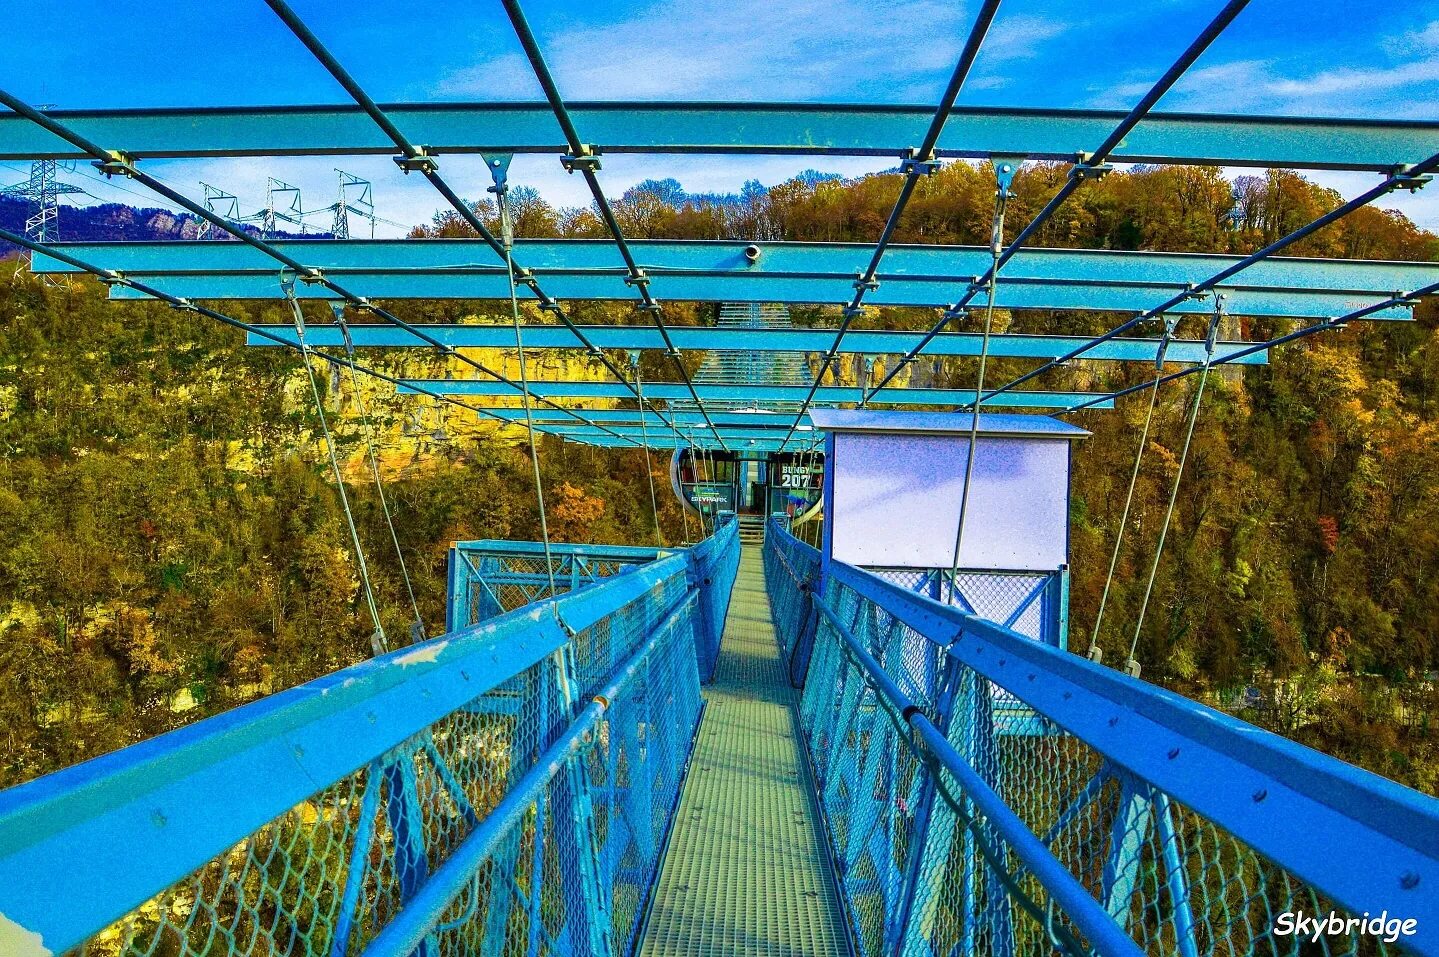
x,y
502,789
492,576
1108,816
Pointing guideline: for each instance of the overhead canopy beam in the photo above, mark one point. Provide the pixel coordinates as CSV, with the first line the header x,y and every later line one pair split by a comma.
x,y
766,433
804,441
754,128
652,420
740,392
860,342
707,271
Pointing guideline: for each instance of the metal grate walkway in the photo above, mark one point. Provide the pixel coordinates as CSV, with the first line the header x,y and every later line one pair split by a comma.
x,y
746,872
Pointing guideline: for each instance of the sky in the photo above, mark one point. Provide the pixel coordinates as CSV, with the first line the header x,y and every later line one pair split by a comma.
x,y
1280,57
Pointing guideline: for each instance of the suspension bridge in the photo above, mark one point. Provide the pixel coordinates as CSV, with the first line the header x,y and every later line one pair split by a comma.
x,y
816,726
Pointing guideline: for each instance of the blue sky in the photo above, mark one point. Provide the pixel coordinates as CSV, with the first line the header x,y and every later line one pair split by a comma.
x,y
1306,57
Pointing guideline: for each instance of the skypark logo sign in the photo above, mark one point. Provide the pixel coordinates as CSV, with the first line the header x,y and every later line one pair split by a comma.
x,y
1314,926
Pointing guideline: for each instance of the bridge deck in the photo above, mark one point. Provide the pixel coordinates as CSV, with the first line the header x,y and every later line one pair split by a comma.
x,y
746,871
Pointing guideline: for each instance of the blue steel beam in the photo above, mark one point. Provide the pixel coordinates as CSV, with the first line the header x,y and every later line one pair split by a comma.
x,y
583,157
702,439
748,128
732,392
686,419
785,272
116,162
415,158
1410,177
860,342
736,433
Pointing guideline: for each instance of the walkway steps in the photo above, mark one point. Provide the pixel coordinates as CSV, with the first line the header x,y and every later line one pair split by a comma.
x,y
746,871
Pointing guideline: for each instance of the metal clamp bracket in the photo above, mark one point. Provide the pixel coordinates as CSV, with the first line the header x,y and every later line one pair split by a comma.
x,y
1085,169
1402,178
421,162
912,165
587,160
119,164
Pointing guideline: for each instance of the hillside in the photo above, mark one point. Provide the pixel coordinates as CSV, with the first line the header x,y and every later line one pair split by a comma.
x,y
172,547
111,222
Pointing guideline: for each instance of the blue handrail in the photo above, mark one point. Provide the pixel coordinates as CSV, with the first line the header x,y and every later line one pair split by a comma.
x,y
1192,830
245,826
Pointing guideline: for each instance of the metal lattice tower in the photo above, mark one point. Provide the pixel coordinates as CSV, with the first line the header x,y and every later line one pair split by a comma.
x,y
43,189
222,204
273,214
355,196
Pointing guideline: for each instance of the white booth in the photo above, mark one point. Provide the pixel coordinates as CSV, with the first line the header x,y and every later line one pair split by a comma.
x,y
893,484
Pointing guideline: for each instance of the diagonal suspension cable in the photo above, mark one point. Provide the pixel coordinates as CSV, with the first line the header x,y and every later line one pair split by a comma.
x,y
379,644
418,159
684,512
503,196
118,163
586,159
1089,166
1131,665
417,626
1004,176
1095,653
1410,177
1338,322
920,162
645,436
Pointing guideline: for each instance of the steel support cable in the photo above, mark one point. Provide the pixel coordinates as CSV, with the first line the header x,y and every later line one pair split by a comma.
x,y
645,440
583,158
418,159
417,627
117,163
501,191
378,643
1338,322
921,162
1131,666
677,455
1095,653
1089,166
1411,178
1002,196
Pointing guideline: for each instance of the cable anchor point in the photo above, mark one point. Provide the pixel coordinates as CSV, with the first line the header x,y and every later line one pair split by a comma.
x,y
420,162
120,163
1085,167
1403,177
911,164
587,160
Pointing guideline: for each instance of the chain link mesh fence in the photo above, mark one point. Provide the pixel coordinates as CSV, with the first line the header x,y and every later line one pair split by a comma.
x,y
924,872
571,825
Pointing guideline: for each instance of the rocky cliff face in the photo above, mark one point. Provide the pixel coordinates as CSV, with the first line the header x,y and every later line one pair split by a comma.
x,y
109,222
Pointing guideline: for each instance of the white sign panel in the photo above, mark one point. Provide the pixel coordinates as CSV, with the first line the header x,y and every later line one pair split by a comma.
x,y
897,501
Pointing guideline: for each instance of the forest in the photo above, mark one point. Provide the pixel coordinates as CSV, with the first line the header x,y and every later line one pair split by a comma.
x,y
171,544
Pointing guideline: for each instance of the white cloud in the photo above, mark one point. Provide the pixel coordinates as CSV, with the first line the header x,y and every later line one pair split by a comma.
x,y
758,50
1400,88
